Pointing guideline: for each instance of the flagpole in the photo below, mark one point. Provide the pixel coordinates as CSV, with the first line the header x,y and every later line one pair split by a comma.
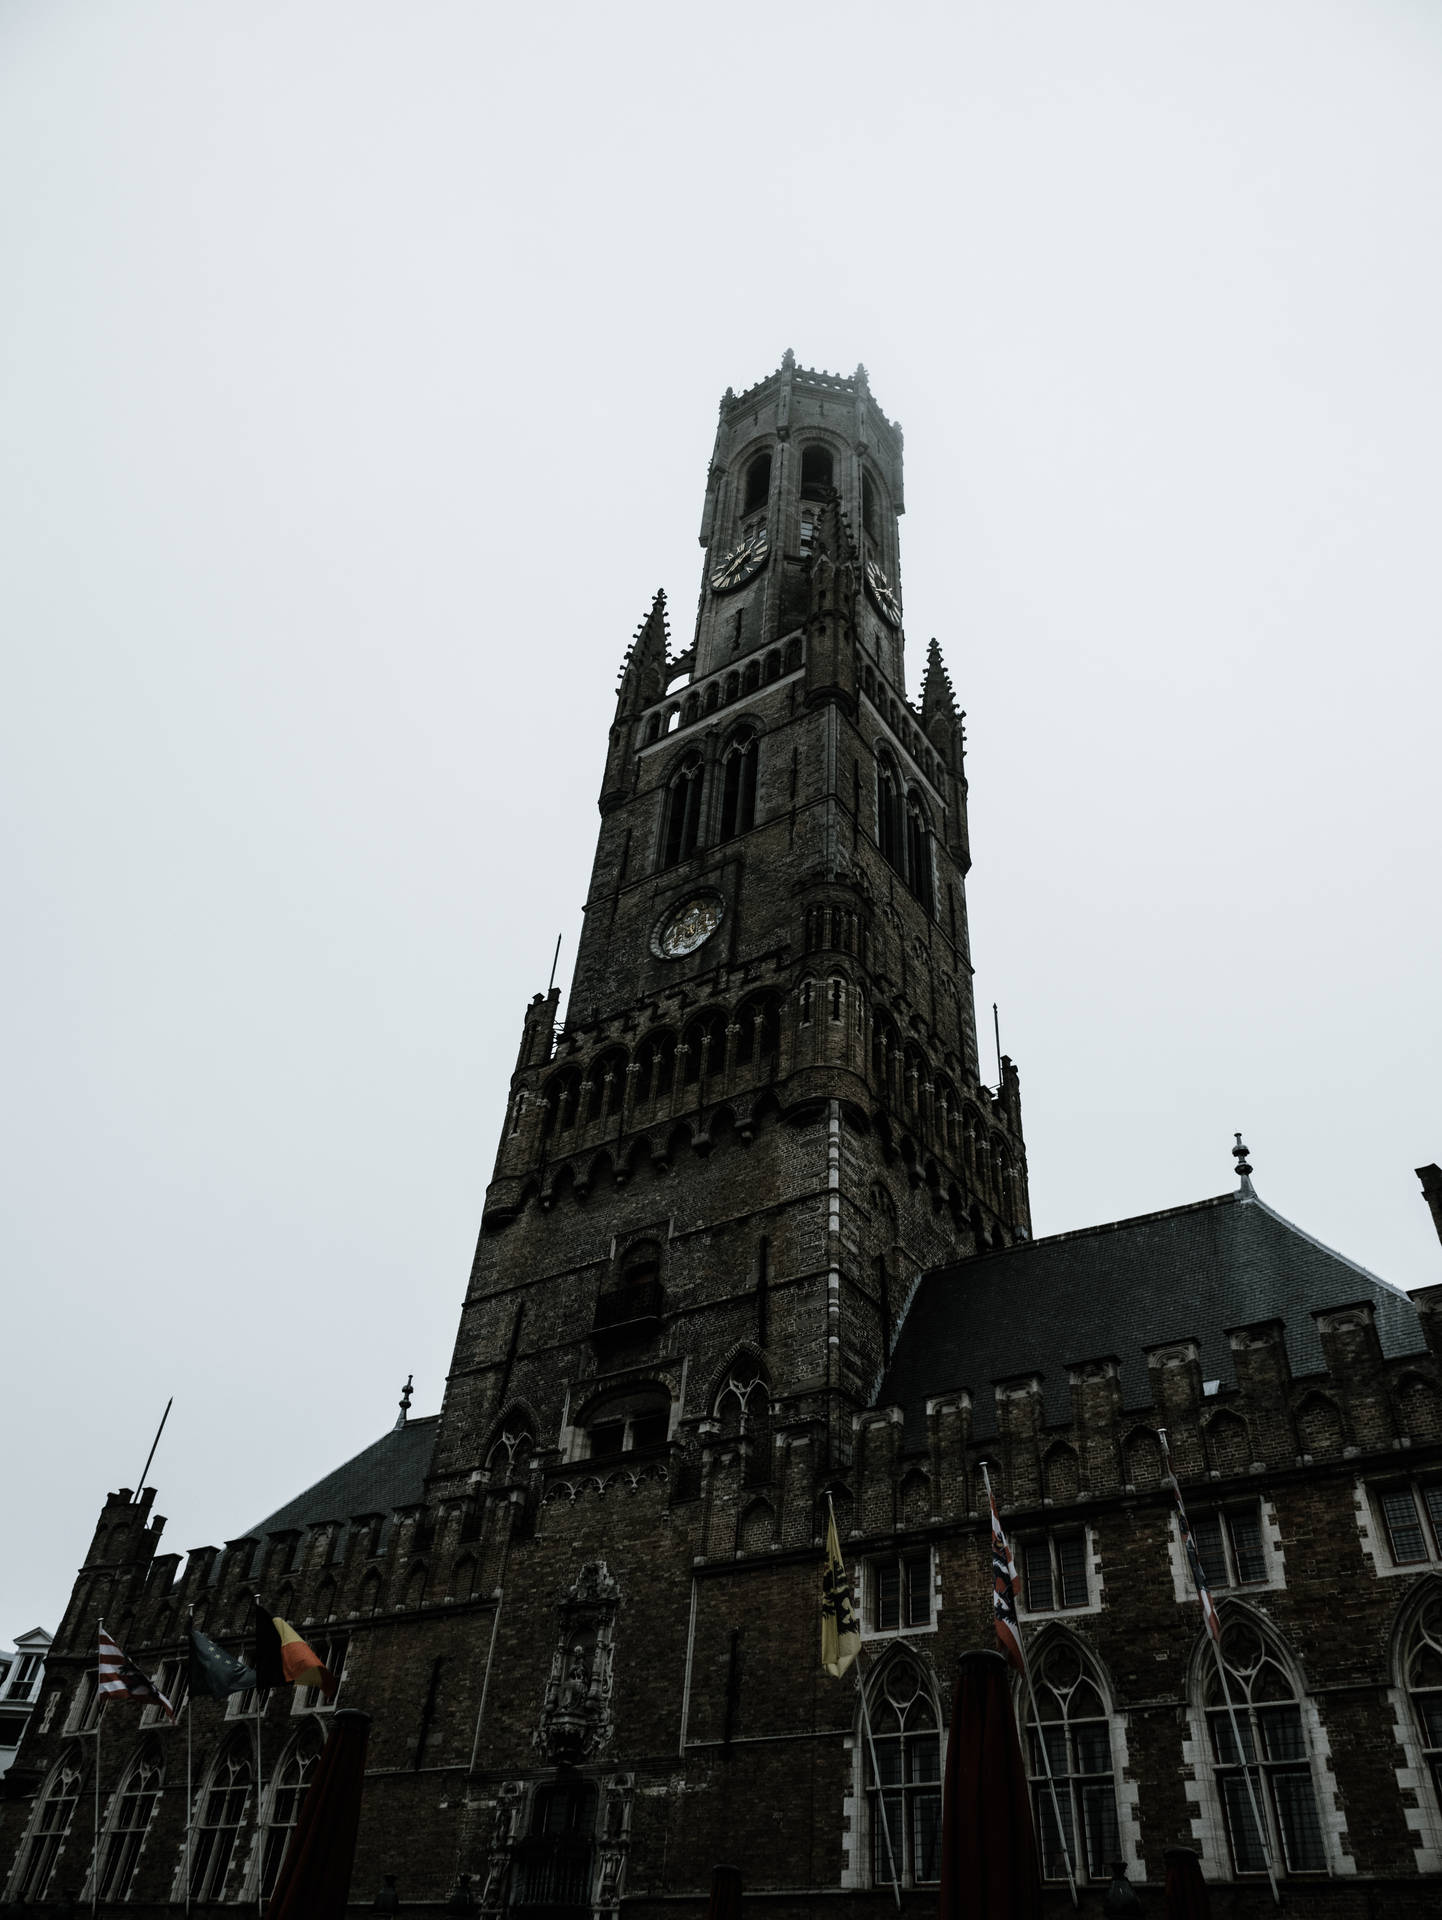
x,y
189,1752
1040,1731
99,1722
871,1746
259,1791
1263,1831
876,1775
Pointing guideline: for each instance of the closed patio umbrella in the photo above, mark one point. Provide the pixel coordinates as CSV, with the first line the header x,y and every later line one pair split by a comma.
x,y
1186,1893
314,1878
989,1868
725,1902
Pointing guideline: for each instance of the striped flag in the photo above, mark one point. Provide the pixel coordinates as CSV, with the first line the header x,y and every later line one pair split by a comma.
x,y
1003,1590
1194,1559
282,1658
118,1676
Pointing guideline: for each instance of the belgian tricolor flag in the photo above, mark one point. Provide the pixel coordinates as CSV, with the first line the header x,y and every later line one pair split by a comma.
x,y
282,1658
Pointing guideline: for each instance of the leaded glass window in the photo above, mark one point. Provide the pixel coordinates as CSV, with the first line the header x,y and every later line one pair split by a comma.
x,y
1268,1717
1423,1673
50,1828
1070,1727
219,1827
907,1777
128,1826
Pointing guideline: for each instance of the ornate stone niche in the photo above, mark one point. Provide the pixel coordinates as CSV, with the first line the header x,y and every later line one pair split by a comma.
x,y
576,1720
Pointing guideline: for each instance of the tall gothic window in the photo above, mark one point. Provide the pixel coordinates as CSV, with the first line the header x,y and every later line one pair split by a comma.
x,y
49,1828
291,1781
129,1824
607,1083
816,473
918,851
1069,1726
683,811
870,513
758,483
738,786
759,1040
907,1781
705,1044
655,1067
1422,1676
889,833
1274,1749
222,1818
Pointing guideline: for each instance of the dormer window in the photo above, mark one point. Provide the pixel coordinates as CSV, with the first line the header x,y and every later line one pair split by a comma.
x,y
758,484
816,473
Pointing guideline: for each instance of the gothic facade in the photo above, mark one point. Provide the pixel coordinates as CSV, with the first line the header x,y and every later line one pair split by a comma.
x,y
758,1244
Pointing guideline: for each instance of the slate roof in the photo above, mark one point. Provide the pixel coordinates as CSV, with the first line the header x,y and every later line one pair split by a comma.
x,y
1191,1272
389,1473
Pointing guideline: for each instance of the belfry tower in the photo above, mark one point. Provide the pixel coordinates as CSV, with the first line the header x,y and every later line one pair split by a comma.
x,y
763,1118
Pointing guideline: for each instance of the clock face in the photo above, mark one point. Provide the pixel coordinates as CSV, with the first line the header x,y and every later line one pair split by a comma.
x,y
882,594
689,927
745,559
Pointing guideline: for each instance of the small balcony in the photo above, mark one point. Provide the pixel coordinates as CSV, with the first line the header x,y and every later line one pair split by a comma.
x,y
631,1310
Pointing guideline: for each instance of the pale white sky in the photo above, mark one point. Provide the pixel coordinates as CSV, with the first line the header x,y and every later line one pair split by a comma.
x,y
358,374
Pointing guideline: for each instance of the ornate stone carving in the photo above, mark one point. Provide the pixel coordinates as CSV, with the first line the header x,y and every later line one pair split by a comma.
x,y
576,1720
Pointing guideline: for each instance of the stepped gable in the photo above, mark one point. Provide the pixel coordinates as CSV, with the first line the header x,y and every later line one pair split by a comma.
x,y
1186,1273
389,1473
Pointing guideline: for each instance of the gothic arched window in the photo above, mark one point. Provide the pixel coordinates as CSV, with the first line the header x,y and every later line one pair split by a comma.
x,y
1070,1715
1422,1677
291,1781
705,1044
816,472
683,811
655,1067
1274,1742
889,815
49,1828
128,1825
222,1816
607,1081
560,1100
758,483
758,1041
918,850
511,1448
738,786
907,1779
870,514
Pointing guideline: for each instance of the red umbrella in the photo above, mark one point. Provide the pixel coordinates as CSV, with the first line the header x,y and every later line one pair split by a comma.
x,y
989,1867
1186,1891
725,1902
314,1878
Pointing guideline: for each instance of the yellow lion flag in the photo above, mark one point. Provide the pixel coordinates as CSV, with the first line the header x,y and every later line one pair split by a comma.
x,y
840,1636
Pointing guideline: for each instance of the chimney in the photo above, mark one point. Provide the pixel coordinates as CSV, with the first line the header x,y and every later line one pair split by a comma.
x,y
1431,1178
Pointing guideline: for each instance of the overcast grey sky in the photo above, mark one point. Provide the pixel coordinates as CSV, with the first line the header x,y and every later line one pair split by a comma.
x,y
358,375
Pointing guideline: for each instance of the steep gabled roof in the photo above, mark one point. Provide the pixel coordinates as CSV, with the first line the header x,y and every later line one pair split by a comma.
x,y
1189,1273
389,1473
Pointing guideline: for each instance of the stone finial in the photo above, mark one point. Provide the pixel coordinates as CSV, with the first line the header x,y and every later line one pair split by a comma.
x,y
1244,1166
788,360
405,1402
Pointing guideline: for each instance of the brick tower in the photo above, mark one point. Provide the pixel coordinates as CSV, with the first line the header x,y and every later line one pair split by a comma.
x,y
763,1117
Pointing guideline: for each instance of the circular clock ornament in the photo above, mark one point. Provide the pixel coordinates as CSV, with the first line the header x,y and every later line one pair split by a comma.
x,y
744,562
689,926
882,594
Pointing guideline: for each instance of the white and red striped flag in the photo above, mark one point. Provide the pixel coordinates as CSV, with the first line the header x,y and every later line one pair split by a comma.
x,y
1194,1559
118,1676
1003,1590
